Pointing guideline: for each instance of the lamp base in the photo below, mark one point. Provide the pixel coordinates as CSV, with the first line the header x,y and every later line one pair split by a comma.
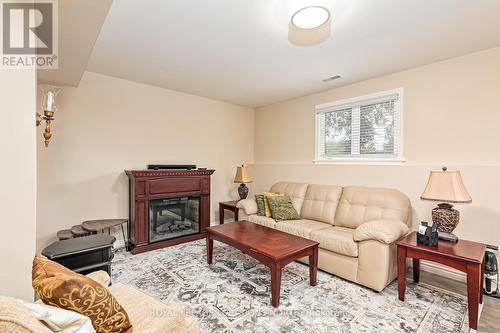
x,y
447,236
446,217
243,191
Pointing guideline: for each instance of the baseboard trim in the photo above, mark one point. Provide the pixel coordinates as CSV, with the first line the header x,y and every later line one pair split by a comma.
x,y
444,271
229,219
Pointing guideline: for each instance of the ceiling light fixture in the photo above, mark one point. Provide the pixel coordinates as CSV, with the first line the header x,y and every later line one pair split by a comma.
x,y
310,17
309,26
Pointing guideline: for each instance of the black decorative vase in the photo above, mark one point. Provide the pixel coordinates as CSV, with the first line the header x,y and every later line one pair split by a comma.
x,y
243,191
446,217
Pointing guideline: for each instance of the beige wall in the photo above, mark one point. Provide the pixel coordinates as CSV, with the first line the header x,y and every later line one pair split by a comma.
x,y
451,117
107,125
18,192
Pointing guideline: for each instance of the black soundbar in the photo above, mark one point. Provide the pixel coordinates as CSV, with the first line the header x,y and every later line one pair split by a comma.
x,y
171,166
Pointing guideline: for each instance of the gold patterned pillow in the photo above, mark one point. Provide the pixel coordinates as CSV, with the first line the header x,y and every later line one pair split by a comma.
x,y
58,286
267,210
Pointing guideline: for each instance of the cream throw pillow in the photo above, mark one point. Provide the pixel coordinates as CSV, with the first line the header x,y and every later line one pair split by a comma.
x,y
15,317
60,320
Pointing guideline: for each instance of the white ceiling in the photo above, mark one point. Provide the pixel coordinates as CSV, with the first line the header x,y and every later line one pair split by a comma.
x,y
238,51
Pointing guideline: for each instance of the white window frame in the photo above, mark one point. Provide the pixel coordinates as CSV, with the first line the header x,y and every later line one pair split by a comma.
x,y
368,159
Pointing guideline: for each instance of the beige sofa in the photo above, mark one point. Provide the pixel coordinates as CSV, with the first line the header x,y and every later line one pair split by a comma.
x,y
356,227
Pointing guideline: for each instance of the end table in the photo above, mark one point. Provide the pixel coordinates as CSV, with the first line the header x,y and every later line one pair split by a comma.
x,y
465,256
229,205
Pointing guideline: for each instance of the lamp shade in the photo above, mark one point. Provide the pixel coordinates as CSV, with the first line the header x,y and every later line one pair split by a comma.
x,y
242,175
49,94
446,186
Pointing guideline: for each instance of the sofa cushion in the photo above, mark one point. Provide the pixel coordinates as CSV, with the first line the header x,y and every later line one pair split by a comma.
x,y
282,208
320,202
302,228
362,204
262,220
337,239
149,315
296,192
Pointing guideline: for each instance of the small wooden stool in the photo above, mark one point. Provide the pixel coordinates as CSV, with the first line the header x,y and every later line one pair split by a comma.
x,y
78,231
95,226
64,234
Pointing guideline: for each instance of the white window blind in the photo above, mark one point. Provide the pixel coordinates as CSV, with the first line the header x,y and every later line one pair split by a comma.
x,y
363,128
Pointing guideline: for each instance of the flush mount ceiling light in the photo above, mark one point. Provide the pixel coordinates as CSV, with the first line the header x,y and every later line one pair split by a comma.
x,y
309,26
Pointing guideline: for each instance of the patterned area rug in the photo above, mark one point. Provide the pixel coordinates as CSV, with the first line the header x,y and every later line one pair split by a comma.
x,y
233,295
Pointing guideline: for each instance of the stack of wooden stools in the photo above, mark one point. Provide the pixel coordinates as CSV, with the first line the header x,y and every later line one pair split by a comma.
x,y
92,227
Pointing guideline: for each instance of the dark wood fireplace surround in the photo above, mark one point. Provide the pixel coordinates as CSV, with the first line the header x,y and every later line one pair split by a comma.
x,y
148,185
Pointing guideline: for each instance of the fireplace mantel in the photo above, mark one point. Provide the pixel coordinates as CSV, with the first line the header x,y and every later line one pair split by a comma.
x,y
146,185
163,173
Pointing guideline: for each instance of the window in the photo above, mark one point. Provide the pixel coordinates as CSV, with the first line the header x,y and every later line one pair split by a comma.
x,y
366,128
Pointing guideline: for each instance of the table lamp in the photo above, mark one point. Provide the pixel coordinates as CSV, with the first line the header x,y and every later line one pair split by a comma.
x,y
242,176
447,187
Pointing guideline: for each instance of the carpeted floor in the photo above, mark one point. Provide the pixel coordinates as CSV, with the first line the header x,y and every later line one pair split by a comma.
x,y
233,295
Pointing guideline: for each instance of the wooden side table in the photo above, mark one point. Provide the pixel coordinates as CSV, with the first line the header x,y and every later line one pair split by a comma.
x,y
229,205
466,256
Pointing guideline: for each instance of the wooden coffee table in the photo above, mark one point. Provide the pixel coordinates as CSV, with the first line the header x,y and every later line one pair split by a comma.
x,y
465,256
273,248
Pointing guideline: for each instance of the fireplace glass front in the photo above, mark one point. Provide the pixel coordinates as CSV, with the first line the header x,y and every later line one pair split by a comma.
x,y
173,217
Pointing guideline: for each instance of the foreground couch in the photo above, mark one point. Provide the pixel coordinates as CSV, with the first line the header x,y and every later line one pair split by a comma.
x,y
146,313
357,227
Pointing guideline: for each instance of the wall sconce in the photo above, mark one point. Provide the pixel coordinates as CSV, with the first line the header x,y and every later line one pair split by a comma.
x,y
49,107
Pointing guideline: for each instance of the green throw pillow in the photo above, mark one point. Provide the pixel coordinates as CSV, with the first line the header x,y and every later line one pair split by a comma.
x,y
260,204
282,208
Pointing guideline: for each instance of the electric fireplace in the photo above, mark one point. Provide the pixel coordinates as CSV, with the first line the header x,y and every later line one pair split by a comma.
x,y
167,207
173,217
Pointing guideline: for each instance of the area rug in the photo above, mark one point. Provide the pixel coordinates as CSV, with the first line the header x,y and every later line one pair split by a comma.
x,y
233,295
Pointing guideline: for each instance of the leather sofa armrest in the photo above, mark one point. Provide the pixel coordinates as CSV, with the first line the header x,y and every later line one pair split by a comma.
x,y
248,205
384,231
100,277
